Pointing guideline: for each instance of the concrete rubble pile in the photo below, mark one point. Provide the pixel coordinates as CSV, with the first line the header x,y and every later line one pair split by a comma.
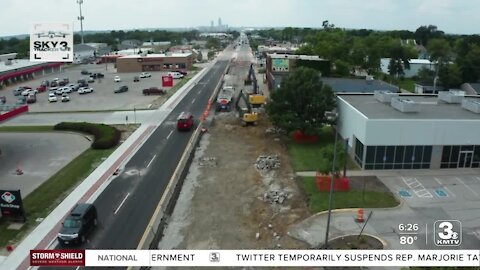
x,y
267,162
275,196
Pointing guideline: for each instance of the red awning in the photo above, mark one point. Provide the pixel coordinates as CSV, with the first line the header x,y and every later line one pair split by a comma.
x,y
28,71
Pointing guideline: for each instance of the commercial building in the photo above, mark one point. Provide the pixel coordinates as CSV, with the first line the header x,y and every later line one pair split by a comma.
x,y
388,130
17,70
83,52
415,66
155,62
280,65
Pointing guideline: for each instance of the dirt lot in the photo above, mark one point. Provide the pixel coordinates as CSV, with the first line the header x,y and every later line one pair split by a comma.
x,y
222,203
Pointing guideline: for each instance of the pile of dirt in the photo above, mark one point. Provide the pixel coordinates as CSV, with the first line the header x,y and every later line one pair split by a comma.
x,y
364,242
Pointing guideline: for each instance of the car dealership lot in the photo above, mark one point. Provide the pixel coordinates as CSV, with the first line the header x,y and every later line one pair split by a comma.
x,y
102,98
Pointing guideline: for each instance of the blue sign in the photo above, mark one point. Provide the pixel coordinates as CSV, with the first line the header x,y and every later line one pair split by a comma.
x,y
441,193
405,193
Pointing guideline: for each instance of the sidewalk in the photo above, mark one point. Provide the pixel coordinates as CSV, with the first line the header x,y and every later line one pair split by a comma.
x,y
396,173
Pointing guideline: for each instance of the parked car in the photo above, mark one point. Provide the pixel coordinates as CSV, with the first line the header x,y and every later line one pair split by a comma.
x,y
136,79
52,97
184,73
97,75
59,91
27,92
82,83
78,225
85,90
53,84
32,98
18,91
175,74
65,97
42,88
100,75
154,91
185,121
62,83
66,80
91,79
74,87
145,75
121,89
117,79
3,100
45,83
21,100
85,72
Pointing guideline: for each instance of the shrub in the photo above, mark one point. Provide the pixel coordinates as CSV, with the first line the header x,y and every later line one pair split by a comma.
x,y
105,136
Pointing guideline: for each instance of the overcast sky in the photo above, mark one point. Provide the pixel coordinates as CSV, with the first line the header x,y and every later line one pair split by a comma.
x,y
451,16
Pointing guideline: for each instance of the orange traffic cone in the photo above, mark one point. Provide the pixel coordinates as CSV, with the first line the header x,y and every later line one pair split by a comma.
x,y
360,217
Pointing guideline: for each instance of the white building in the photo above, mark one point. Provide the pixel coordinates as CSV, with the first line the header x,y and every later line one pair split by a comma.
x,y
82,52
391,131
415,66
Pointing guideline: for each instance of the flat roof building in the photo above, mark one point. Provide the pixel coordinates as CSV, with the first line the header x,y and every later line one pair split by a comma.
x,y
155,62
388,130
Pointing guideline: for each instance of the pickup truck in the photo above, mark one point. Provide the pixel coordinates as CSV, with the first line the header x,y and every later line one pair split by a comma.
x,y
154,91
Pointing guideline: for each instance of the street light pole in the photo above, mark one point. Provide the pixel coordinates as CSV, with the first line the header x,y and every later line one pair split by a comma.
x,y
331,116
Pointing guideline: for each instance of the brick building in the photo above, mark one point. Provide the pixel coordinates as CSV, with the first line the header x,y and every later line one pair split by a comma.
x,y
155,62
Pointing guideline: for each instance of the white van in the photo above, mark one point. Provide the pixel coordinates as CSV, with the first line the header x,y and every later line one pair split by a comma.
x,y
175,74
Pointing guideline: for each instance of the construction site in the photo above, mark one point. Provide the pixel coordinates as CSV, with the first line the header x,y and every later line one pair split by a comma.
x,y
240,192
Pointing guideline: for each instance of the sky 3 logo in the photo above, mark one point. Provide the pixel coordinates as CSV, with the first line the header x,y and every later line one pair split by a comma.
x,y
52,42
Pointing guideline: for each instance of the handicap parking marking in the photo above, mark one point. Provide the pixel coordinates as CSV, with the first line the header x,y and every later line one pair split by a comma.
x,y
417,187
404,193
444,189
441,193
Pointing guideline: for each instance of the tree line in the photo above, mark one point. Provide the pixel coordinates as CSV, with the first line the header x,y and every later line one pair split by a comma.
x,y
458,56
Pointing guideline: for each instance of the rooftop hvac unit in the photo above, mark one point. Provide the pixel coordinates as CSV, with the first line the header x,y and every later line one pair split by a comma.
x,y
405,104
384,96
452,96
472,105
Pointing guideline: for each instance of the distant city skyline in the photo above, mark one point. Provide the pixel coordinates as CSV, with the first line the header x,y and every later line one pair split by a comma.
x,y
450,16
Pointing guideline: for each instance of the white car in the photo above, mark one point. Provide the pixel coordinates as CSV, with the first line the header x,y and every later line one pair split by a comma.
x,y
85,90
73,87
145,75
117,79
27,92
175,75
52,97
65,98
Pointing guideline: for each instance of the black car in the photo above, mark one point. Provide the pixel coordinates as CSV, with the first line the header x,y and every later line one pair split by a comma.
x,y
97,75
85,72
82,83
76,227
121,89
136,79
66,80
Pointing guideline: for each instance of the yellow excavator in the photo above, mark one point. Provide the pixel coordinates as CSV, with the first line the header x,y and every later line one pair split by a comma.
x,y
256,99
247,116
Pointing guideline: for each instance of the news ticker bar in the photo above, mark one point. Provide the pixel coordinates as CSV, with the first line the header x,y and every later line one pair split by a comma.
x,y
258,258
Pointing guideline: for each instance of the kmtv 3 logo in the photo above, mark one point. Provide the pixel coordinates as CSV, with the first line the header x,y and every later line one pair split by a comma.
x,y
52,42
448,233
8,197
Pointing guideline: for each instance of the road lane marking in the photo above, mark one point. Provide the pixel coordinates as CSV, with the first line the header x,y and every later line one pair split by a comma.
x,y
169,134
193,100
124,199
149,163
463,183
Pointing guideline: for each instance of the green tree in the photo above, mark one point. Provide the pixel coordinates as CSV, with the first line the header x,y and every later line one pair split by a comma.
x,y
439,50
424,33
342,68
301,102
399,61
210,55
212,43
326,159
199,56
426,75
450,76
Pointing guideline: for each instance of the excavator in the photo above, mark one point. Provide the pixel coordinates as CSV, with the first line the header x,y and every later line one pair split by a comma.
x,y
256,99
247,116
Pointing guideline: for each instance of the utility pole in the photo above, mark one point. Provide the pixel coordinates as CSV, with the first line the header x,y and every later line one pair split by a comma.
x,y
81,18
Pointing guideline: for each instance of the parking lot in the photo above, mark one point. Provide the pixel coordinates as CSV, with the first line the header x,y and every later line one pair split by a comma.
x,y
102,98
431,198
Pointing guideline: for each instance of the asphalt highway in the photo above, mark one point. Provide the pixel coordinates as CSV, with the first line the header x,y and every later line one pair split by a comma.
x,y
127,204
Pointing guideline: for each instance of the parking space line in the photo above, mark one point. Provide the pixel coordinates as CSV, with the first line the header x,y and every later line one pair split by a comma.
x,y
463,183
417,187
444,187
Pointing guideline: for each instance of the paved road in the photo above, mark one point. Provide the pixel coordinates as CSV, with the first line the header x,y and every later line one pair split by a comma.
x,y
126,205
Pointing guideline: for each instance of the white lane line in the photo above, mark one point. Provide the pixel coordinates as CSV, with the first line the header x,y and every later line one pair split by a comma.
x,y
124,199
169,134
193,100
471,189
150,163
78,267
